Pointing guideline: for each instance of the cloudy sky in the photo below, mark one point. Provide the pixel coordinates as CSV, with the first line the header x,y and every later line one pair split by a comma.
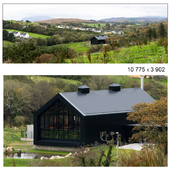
x,y
82,11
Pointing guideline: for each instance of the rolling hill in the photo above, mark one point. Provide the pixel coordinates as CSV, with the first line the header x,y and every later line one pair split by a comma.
x,y
138,19
37,18
63,20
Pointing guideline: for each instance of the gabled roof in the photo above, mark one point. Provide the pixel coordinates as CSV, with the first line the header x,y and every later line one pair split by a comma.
x,y
103,37
106,101
101,102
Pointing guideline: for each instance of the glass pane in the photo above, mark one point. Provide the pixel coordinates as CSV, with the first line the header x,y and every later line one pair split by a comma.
x,y
65,134
60,122
47,121
56,134
65,122
51,134
71,134
46,133
55,121
42,121
60,134
78,134
51,122
42,133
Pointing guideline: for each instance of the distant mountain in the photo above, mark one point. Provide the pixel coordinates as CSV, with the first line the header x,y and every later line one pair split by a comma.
x,y
37,18
137,19
63,20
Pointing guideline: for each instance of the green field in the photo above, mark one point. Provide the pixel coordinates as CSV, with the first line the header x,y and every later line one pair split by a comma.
x,y
24,23
6,43
34,35
36,79
94,25
150,53
80,47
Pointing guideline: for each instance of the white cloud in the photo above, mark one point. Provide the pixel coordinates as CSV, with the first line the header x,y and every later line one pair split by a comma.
x,y
83,11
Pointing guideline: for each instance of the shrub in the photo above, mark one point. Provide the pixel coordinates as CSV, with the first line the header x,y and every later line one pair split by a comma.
x,y
44,58
148,156
19,120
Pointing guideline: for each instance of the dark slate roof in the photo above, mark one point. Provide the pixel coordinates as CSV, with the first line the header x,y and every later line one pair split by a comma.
x,y
106,101
103,37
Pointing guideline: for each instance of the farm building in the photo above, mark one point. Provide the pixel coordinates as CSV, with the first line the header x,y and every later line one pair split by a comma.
x,y
98,39
16,34
72,119
24,35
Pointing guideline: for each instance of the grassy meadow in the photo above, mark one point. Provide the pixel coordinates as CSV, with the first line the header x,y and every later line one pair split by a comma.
x,y
94,25
150,53
6,43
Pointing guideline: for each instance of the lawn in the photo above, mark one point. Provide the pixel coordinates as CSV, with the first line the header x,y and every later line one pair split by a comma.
x,y
12,138
34,35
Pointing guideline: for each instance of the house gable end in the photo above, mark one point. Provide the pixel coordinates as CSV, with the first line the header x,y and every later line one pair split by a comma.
x,y
51,102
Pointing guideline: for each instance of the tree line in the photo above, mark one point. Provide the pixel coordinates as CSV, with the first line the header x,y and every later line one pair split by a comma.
x,y
29,94
140,36
30,52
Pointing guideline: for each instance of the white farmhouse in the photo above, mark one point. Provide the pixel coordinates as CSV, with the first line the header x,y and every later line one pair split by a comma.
x,y
16,34
24,35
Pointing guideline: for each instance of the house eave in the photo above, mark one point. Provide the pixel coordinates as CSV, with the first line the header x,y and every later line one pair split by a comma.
x,y
107,113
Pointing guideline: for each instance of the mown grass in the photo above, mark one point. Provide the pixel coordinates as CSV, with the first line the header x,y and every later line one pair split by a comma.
x,y
33,35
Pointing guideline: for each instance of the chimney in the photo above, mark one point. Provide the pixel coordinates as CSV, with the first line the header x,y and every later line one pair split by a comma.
x,y
142,79
115,87
83,89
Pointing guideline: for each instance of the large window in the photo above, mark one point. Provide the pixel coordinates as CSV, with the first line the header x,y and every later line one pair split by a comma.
x,y
60,122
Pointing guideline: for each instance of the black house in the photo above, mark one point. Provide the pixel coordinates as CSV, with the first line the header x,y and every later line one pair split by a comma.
x,y
99,39
75,118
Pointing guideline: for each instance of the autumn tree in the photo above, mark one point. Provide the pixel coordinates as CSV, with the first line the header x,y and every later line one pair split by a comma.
x,y
152,120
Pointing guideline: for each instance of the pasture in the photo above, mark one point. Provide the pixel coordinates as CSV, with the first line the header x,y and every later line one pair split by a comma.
x,y
33,35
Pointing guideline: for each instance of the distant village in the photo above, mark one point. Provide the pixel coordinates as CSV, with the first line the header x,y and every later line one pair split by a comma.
x,y
106,32
92,30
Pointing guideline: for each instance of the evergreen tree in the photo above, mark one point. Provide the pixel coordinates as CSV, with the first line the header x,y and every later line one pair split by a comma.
x,y
149,33
162,31
154,35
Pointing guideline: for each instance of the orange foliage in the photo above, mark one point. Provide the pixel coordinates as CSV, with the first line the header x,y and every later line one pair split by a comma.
x,y
152,120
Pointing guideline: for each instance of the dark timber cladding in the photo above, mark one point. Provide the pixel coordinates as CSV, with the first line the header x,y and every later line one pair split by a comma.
x,y
99,39
75,118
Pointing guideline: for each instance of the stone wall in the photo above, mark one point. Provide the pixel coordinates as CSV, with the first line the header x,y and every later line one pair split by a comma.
x,y
55,148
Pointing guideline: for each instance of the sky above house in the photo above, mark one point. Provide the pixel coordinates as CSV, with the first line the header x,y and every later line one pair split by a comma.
x,y
83,11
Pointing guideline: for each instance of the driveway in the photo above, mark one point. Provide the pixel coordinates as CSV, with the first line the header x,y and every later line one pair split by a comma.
x,y
135,146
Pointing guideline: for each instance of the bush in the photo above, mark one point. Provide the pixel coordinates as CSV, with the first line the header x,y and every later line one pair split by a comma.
x,y
148,156
19,120
107,47
95,48
44,58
